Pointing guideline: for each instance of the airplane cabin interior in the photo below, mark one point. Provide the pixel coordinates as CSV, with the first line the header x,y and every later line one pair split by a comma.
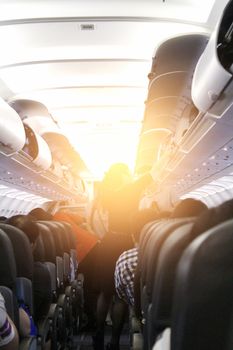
x,y
87,84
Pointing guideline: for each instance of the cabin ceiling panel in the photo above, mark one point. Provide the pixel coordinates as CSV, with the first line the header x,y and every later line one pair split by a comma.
x,y
76,74
88,97
180,9
35,42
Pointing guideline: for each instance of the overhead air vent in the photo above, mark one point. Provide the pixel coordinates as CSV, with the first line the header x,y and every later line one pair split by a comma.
x,y
87,26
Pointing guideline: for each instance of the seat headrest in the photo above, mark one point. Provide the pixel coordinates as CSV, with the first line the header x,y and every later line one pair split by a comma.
x,y
39,250
7,262
22,250
48,242
54,231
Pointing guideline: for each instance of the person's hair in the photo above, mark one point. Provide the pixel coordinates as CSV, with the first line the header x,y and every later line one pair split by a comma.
x,y
139,219
213,217
188,207
114,176
113,180
26,224
40,214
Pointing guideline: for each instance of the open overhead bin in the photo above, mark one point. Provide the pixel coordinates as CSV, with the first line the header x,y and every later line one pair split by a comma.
x,y
35,151
12,134
63,151
38,118
29,108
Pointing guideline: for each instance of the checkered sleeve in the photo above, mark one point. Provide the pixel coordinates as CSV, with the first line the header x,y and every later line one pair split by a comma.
x,y
124,275
6,330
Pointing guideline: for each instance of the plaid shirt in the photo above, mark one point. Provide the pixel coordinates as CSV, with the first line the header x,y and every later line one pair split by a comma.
x,y
6,331
124,275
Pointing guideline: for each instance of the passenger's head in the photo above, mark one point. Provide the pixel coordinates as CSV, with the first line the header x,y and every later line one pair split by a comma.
x,y
213,217
188,207
40,214
26,224
139,219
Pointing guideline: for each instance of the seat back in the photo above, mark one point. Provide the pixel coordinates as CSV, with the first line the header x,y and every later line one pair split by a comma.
x,y
22,250
152,252
24,264
160,309
8,276
203,303
49,245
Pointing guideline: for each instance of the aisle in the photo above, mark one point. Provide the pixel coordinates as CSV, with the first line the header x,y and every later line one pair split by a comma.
x,y
84,340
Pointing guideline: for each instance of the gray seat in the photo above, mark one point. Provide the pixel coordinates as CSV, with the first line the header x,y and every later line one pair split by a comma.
x,y
203,303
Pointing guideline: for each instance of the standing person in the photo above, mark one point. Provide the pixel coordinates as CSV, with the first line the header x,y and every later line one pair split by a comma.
x,y
9,339
119,198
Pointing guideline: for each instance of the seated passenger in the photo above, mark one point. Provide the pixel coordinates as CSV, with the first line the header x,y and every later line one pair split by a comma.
x,y
8,334
188,207
86,240
213,217
40,214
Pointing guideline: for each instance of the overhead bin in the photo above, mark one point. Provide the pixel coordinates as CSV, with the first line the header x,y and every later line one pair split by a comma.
x,y
29,108
36,150
178,53
214,69
145,159
12,134
25,157
44,156
151,146
169,106
63,151
168,84
160,113
154,138
36,115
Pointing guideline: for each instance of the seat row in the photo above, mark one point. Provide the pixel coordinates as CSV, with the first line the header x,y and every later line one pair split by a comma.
x,y
52,268
185,285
